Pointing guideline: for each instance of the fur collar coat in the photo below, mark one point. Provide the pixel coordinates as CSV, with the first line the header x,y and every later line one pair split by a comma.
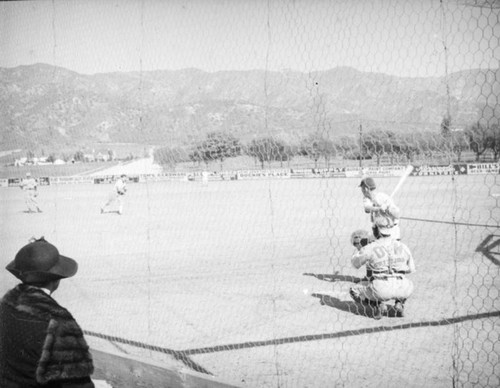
x,y
40,341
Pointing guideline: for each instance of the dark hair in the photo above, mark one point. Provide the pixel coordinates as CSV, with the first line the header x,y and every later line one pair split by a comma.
x,y
39,284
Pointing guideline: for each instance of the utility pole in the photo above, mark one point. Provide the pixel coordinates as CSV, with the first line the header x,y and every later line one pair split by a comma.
x,y
360,145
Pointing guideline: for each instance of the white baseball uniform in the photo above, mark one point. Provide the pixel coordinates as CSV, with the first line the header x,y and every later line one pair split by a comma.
x,y
386,212
116,195
388,260
30,187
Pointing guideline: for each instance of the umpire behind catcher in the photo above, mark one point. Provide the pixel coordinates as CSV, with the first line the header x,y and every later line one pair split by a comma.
x,y
41,345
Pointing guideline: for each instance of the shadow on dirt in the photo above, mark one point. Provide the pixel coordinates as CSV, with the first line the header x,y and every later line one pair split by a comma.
x,y
334,277
352,307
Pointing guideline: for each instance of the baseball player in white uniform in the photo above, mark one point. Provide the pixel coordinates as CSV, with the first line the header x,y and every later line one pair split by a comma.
x,y
119,190
30,187
389,260
382,209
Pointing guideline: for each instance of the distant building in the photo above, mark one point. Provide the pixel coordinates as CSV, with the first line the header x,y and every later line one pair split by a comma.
x,y
88,158
20,161
100,157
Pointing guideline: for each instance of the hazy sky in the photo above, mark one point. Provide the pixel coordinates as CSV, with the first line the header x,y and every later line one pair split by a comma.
x,y
391,36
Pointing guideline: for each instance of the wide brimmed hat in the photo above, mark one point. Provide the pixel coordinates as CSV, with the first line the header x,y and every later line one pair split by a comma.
x,y
39,262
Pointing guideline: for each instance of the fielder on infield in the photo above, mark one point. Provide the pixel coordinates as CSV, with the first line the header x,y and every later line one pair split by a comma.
x,y
119,190
30,187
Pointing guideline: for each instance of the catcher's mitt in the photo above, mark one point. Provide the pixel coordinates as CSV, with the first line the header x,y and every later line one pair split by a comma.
x,y
361,238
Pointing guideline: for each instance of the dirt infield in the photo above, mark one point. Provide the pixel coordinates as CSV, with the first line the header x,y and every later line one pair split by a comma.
x,y
216,272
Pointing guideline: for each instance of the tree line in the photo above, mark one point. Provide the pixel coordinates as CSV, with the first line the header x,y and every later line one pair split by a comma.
x,y
218,146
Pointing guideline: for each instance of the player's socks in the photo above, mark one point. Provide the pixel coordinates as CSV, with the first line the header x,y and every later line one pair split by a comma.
x,y
377,312
354,296
400,308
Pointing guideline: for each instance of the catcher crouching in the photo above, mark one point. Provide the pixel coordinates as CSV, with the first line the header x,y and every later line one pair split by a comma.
x,y
387,262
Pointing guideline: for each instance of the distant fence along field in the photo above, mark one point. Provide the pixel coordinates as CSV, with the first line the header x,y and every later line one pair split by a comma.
x,y
236,163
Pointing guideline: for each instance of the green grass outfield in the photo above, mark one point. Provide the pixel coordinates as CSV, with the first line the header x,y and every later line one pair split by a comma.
x,y
217,272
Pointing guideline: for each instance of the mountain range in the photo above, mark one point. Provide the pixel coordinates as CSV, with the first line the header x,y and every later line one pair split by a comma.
x,y
55,108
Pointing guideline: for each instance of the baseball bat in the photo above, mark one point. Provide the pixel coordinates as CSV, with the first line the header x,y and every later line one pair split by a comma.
x,y
405,175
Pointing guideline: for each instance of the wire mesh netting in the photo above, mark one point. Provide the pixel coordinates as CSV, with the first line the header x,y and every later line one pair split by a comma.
x,y
231,254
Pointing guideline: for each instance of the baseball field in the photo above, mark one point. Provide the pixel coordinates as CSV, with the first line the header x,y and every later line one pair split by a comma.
x,y
249,280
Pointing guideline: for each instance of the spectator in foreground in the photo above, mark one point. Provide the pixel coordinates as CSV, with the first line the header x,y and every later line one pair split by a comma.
x,y
41,344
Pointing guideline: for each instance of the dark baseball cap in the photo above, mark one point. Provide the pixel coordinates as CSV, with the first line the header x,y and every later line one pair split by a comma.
x,y
368,182
40,261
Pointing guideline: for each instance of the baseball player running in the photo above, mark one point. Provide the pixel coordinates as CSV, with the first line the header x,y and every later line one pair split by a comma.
x,y
389,260
119,190
30,187
382,209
